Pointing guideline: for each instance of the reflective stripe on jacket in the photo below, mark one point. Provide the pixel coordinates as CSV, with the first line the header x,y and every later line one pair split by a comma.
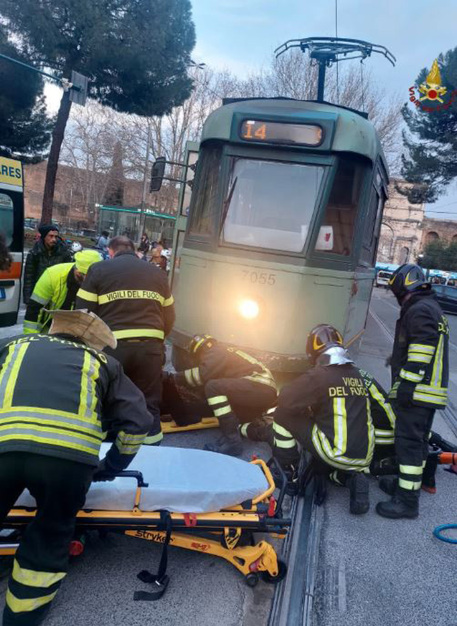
x,y
131,296
58,398
50,292
421,351
227,362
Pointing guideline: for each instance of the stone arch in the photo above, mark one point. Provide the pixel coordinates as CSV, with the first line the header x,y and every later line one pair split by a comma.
x,y
431,236
404,255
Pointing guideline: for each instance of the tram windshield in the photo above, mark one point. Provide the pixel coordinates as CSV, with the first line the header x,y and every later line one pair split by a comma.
x,y
271,204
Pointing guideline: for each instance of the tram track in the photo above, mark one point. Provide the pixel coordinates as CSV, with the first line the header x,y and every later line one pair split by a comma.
x,y
293,600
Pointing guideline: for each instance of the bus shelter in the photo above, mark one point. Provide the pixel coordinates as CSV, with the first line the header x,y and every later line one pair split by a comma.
x,y
133,222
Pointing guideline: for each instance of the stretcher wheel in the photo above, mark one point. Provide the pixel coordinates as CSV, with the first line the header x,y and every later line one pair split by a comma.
x,y
251,579
282,571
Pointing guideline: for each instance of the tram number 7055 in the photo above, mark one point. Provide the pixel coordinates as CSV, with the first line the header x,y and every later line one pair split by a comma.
x,y
262,278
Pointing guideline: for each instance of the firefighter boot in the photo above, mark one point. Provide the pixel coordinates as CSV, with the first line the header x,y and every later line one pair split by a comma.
x,y
404,504
428,477
230,442
388,485
359,502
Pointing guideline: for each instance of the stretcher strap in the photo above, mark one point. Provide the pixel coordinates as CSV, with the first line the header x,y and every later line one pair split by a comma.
x,y
159,580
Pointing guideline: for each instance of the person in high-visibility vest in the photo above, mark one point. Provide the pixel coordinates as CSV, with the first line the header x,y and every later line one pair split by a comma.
x,y
59,393
56,289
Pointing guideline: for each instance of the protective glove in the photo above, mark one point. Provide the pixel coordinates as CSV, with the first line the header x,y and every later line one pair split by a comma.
x,y
388,361
405,393
104,472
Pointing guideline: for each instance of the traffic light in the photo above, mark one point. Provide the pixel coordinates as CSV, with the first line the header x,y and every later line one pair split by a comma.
x,y
157,172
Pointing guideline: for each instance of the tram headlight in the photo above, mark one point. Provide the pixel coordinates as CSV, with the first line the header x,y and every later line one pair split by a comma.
x,y
249,309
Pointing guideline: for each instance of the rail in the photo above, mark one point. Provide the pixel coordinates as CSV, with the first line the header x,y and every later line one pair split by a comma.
x,y
293,599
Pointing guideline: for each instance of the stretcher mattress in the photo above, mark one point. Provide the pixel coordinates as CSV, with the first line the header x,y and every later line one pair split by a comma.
x,y
181,480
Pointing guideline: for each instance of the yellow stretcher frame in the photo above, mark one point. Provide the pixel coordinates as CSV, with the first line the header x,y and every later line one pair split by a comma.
x,y
170,426
219,533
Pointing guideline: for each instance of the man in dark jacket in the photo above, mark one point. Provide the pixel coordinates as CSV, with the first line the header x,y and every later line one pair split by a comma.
x,y
48,250
59,394
135,300
420,373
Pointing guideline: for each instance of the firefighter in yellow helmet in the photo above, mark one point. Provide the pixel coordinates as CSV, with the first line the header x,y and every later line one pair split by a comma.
x,y
237,387
327,411
56,289
51,429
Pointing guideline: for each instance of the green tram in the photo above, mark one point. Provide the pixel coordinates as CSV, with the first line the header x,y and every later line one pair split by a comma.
x,y
282,228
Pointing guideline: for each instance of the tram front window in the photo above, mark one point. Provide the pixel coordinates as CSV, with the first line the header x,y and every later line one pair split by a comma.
x,y
271,204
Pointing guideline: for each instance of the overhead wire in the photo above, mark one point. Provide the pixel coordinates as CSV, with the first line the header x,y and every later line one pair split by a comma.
x,y
337,65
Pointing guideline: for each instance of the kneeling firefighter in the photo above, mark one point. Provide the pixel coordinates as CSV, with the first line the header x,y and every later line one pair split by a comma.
x,y
237,387
59,393
327,411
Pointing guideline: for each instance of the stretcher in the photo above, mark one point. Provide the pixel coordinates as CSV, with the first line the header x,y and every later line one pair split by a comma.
x,y
193,499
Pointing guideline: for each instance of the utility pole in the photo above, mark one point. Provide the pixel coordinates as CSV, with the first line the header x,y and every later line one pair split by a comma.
x,y
145,180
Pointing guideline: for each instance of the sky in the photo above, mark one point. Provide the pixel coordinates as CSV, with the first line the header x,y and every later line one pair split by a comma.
x,y
241,35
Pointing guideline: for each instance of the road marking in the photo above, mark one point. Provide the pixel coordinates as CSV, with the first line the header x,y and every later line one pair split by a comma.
x,y
381,324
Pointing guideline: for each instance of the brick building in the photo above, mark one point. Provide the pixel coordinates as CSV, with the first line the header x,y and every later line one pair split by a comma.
x,y
78,191
433,230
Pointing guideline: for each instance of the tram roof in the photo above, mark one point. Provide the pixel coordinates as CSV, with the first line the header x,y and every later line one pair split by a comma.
x,y
354,132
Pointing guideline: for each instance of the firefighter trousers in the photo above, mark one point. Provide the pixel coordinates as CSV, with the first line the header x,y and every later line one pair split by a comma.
x,y
59,487
239,397
142,362
412,430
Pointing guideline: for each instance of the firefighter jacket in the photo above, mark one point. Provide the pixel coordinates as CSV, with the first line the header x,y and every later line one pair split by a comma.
x,y
328,409
56,289
58,397
421,351
38,260
131,296
226,362
382,413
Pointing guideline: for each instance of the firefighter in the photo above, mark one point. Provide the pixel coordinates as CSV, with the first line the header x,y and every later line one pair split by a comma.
x,y
327,411
134,299
56,289
383,418
58,394
237,388
420,372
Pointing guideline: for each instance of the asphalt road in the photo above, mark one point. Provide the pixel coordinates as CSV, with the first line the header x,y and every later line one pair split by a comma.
x,y
374,571
371,570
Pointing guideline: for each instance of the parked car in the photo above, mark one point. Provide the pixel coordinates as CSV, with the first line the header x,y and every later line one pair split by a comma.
x,y
447,297
382,278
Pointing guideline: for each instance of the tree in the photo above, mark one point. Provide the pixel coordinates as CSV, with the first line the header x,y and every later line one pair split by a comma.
x,y
431,144
439,256
25,129
135,52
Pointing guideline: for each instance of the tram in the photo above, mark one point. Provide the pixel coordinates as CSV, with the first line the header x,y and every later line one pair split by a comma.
x,y
282,228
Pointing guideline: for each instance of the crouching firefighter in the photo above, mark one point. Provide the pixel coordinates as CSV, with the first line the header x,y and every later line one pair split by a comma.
x,y
237,388
58,394
420,372
327,411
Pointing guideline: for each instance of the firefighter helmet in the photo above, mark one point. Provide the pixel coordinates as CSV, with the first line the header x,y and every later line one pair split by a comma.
x,y
407,279
320,339
201,341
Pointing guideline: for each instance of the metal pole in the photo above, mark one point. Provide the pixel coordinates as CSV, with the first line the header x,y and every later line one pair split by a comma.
x,y
321,81
63,81
145,182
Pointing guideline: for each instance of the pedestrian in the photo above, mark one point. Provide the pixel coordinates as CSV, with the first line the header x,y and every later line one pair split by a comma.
x,y
57,289
144,245
60,393
420,372
49,250
237,387
5,256
327,411
135,300
102,244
